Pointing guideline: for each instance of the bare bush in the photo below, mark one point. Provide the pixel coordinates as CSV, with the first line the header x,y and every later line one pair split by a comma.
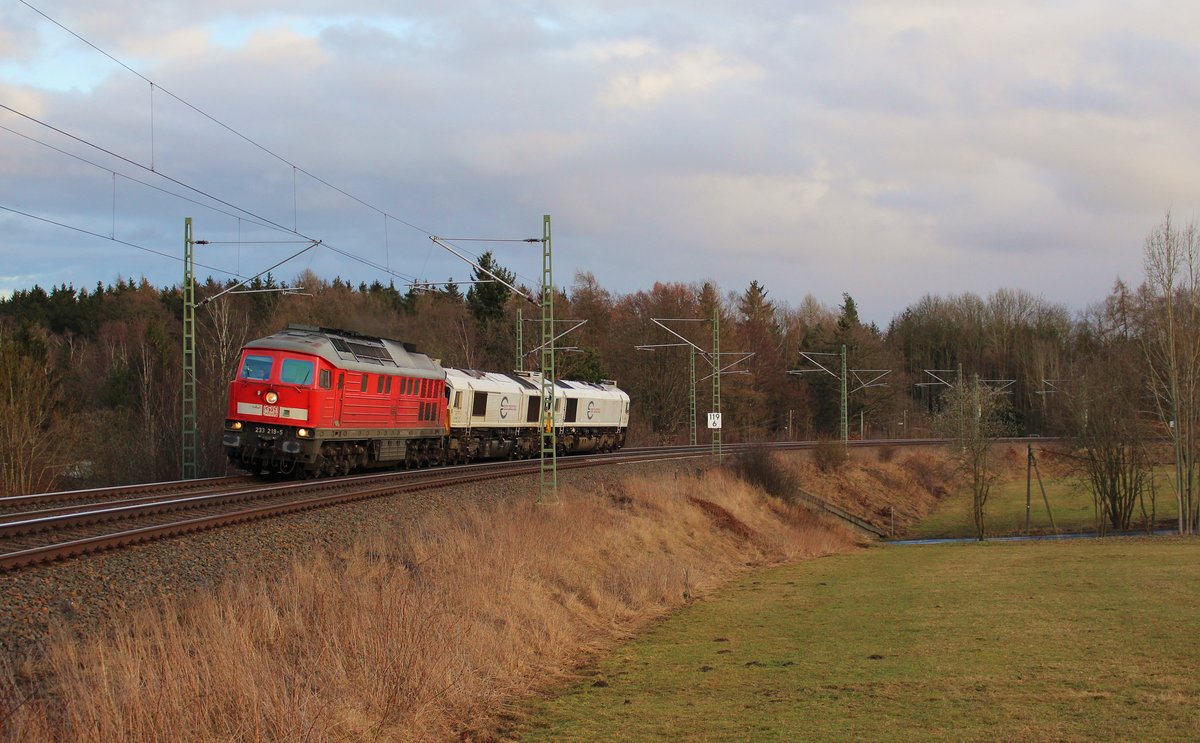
x,y
829,455
931,473
759,468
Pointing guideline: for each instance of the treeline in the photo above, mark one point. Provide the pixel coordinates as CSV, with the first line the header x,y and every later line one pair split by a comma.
x,y
99,371
93,378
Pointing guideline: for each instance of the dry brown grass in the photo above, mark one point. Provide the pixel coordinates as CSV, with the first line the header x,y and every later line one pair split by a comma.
x,y
905,486
430,634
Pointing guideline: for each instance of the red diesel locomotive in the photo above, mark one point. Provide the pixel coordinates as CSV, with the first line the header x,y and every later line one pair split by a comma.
x,y
318,401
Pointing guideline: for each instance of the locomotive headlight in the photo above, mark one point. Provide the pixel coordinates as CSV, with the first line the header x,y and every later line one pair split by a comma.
x,y
235,425
303,433
271,398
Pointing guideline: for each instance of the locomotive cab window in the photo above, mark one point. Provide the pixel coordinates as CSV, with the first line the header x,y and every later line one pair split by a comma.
x,y
572,409
535,406
479,405
326,379
256,367
296,371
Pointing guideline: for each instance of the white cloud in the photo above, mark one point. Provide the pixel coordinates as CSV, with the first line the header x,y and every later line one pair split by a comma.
x,y
879,148
685,74
620,49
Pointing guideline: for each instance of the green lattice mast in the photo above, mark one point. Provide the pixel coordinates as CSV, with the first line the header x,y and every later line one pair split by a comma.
x,y
716,359
549,456
187,467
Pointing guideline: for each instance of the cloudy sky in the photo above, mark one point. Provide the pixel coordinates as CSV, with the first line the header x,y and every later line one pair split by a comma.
x,y
885,149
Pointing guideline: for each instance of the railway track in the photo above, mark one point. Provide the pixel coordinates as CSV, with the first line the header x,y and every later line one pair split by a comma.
x,y
35,529
43,528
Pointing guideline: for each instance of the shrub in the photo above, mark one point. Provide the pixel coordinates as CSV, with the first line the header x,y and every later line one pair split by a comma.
x,y
829,455
758,468
929,472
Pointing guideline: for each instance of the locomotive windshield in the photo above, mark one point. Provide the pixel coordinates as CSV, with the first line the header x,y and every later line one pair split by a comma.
x,y
296,371
256,367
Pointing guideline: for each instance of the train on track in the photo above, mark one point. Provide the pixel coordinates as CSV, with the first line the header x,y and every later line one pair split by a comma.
x,y
312,401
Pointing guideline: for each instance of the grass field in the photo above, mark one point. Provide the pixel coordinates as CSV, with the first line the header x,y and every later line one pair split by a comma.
x,y
429,631
1074,641
1070,501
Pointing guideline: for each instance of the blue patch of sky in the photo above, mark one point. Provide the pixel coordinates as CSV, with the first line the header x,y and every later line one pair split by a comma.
x,y
549,24
60,65
67,65
235,31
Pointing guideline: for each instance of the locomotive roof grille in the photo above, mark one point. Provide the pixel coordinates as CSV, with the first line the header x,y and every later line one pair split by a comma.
x,y
371,354
346,335
362,351
522,381
353,351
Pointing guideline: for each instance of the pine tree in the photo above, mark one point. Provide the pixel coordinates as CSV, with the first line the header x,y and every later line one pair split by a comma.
x,y
486,300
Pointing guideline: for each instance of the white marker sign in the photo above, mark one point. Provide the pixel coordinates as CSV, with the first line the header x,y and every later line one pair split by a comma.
x,y
714,420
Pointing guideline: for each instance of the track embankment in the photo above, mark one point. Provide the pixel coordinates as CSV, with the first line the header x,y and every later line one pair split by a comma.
x,y
420,618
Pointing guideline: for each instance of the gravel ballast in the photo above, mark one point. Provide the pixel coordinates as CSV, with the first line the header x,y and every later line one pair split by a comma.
x,y
83,594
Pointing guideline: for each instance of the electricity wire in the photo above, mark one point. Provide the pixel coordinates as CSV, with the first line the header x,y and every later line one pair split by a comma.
x,y
266,222
139,181
114,239
136,164
223,125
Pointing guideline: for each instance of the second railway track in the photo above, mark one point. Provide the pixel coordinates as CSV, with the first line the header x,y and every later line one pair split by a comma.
x,y
96,520
41,528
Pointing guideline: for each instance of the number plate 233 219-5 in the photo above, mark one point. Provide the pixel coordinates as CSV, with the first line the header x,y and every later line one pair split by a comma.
x,y
268,430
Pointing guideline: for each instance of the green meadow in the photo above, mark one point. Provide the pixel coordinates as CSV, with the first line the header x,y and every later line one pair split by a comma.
x,y
1081,640
1066,505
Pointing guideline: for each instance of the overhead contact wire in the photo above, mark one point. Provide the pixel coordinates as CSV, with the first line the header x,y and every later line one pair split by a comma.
x,y
175,258
236,133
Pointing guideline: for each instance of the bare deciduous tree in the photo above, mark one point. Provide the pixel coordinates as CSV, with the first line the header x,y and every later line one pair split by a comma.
x,y
1169,304
32,441
1104,399
972,418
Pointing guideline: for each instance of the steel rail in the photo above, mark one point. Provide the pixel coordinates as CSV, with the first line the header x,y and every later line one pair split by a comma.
x,y
376,485
63,550
154,507
120,490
